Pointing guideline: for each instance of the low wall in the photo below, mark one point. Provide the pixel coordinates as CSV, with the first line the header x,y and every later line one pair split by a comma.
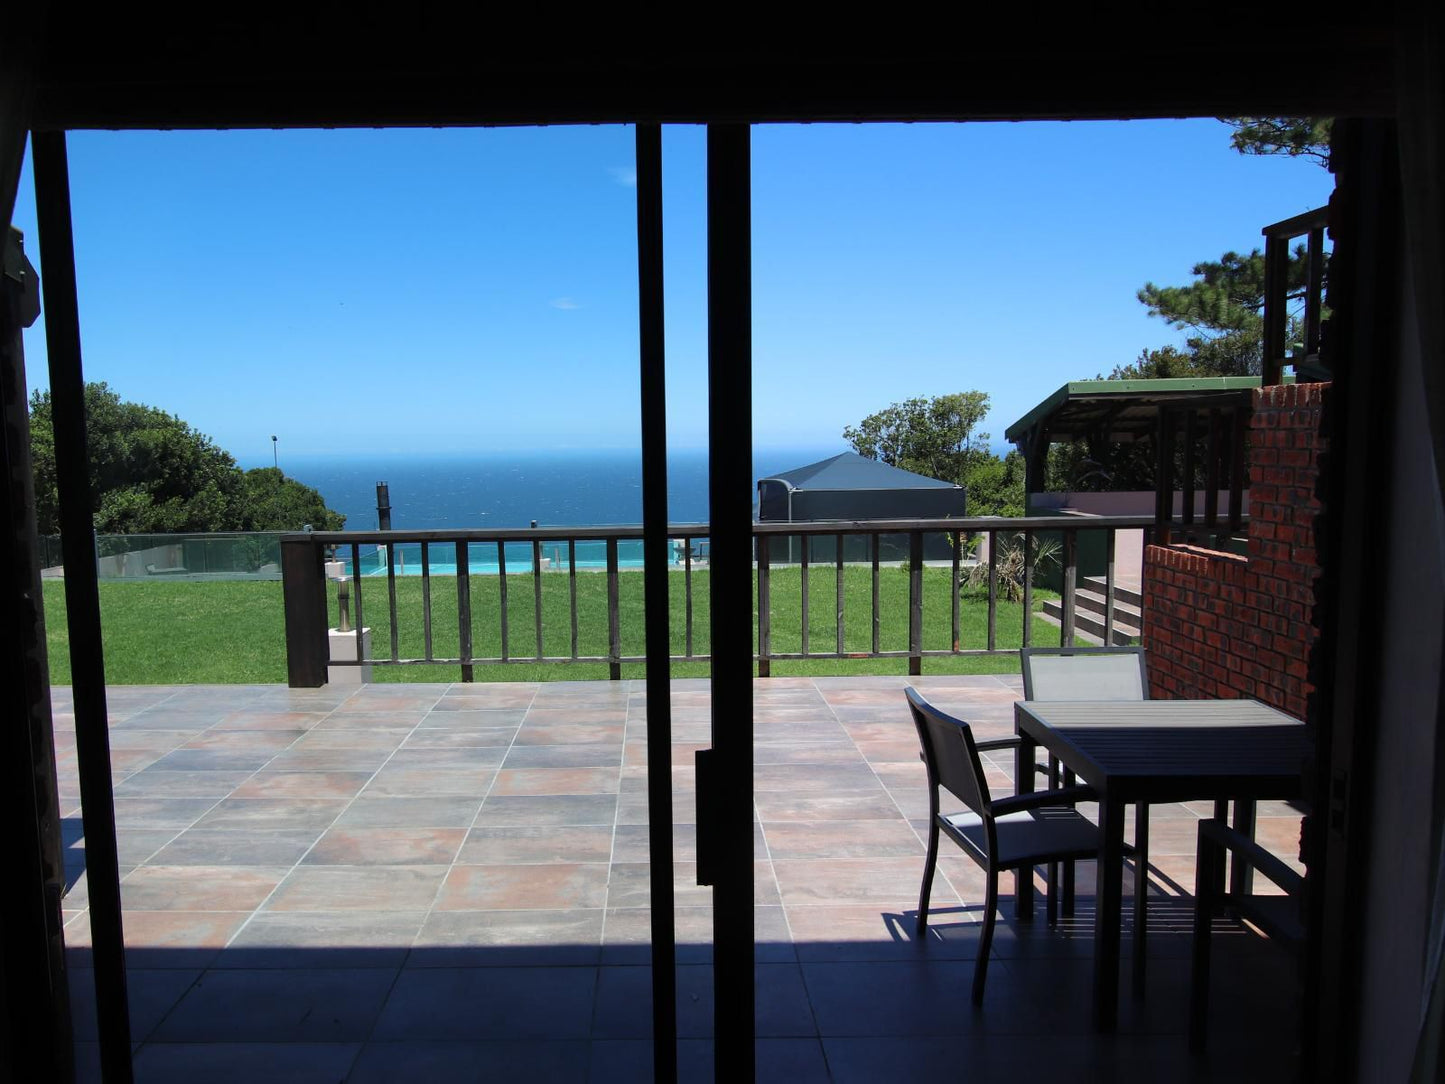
x,y
1221,625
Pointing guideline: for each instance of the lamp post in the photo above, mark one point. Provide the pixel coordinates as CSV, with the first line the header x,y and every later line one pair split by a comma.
x,y
275,456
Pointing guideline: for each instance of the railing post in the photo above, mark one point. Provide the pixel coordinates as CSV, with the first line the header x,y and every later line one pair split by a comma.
x,y
765,607
303,593
1238,468
956,585
915,603
1071,576
464,610
1164,472
807,543
1028,615
1276,290
614,624
877,618
992,590
1111,542
537,591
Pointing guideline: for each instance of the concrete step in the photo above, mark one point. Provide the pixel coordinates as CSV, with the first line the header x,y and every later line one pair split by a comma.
x,y
1130,594
1089,626
1131,613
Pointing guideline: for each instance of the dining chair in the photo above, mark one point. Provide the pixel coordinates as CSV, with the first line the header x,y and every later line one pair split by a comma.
x,y
1277,916
1095,673
1016,832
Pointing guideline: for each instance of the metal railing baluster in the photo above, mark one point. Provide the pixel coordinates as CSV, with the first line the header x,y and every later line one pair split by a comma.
x,y
537,591
464,610
502,591
426,599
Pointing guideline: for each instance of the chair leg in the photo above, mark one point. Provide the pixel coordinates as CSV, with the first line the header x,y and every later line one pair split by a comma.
x,y
1068,885
985,940
928,864
1221,869
1051,896
1204,904
1141,895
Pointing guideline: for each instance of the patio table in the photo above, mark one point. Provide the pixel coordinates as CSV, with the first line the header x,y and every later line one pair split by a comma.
x,y
1155,751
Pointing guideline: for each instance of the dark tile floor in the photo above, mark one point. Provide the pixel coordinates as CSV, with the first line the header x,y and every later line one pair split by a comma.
x,y
399,882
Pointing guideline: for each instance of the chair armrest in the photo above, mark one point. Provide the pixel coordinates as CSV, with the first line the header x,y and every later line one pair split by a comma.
x,y
997,743
1220,834
1007,743
1019,803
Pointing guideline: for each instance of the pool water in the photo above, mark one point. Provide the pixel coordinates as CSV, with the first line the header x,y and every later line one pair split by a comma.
x,y
482,557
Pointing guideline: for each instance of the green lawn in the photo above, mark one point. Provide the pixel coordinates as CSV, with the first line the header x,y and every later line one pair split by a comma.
x,y
159,632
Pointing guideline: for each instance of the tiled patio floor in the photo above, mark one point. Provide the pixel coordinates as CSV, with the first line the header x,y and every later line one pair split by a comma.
x,y
400,882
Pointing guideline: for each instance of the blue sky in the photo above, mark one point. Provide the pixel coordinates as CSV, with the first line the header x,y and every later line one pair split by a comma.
x,y
419,291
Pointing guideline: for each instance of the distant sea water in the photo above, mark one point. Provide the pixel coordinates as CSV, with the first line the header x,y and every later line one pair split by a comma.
x,y
557,489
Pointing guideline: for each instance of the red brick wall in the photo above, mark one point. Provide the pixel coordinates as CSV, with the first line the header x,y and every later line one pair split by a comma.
x,y
1221,625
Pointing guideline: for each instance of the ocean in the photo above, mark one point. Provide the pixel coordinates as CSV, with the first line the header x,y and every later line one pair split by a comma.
x,y
561,489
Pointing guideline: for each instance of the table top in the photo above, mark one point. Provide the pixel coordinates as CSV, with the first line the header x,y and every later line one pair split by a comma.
x,y
1172,750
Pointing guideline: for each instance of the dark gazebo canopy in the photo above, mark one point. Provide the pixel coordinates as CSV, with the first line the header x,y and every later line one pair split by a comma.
x,y
1120,412
851,486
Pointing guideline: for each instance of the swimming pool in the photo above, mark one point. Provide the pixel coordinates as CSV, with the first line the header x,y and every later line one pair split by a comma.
x,y
482,557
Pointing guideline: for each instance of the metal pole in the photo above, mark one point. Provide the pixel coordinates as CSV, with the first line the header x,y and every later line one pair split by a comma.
x,y
655,588
383,507
725,810
82,602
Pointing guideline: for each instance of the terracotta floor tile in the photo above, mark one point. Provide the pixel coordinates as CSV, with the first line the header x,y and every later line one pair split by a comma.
x,y
307,784
293,939
841,839
889,881
392,782
167,939
157,783
270,720
556,781
262,814
199,888
517,887
417,812
568,733
530,845
281,848
607,755
386,847
343,888
508,938
558,810
774,806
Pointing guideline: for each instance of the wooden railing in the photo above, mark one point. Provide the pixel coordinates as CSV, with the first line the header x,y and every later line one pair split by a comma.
x,y
806,547
1277,287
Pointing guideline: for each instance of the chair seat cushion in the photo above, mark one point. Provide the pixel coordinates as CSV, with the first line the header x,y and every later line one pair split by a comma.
x,y
1028,838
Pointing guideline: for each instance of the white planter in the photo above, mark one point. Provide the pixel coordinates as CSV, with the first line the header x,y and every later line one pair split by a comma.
x,y
343,649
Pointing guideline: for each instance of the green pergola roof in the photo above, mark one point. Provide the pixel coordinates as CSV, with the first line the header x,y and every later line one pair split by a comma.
x,y
1120,409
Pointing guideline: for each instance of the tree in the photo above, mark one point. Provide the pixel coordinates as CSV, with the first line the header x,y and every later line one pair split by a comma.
x,y
274,502
1223,311
150,472
1292,136
927,436
936,437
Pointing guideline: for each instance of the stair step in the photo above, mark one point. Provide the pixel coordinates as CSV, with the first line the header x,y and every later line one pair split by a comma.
x,y
1090,627
1124,611
1132,595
